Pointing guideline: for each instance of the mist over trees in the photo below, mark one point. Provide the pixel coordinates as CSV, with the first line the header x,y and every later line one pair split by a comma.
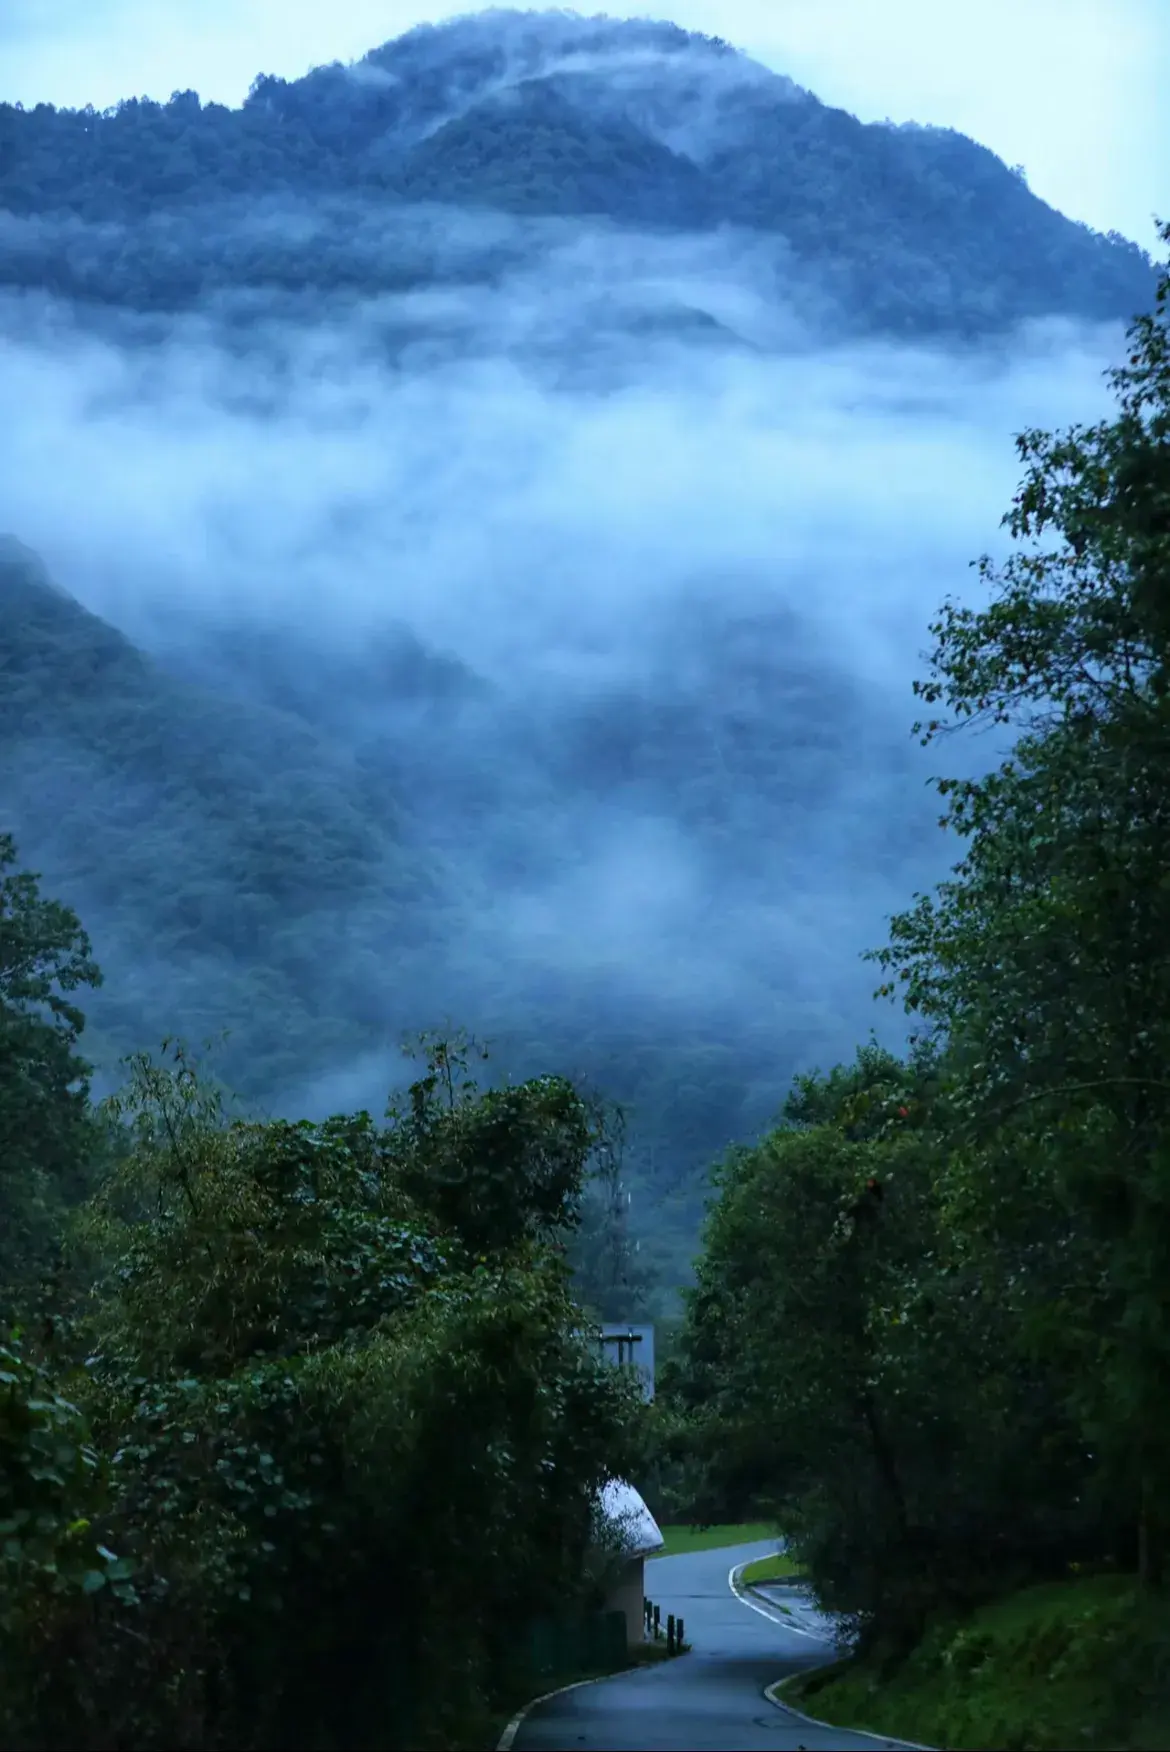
x,y
473,511
928,1338
279,751
930,1333
904,230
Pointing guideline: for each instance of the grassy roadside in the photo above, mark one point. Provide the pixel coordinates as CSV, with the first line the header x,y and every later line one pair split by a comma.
x,y
680,1539
777,1568
1082,1663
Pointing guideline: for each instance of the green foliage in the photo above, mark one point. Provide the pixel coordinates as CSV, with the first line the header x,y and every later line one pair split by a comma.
x,y
44,1134
53,1490
262,1239
51,1480
1062,1664
843,1369
498,1170
288,1325
930,1333
327,1398
906,230
1047,959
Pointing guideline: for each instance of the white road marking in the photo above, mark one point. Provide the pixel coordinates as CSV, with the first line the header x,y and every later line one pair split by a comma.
x,y
770,1691
779,1618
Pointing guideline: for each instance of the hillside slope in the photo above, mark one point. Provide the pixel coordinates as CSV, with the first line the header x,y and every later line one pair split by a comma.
x,y
322,850
895,229
219,851
1079,1662
509,568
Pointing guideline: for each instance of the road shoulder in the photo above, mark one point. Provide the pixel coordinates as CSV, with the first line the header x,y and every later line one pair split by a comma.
x,y
789,1605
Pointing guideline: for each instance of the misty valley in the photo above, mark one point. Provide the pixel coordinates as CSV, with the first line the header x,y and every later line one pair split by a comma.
x,y
477,521
496,585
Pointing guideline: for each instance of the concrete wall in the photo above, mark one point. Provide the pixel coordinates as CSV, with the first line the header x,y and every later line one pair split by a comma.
x,y
627,1595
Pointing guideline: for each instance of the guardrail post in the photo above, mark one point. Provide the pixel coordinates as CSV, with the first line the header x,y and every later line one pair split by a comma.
x,y
670,1633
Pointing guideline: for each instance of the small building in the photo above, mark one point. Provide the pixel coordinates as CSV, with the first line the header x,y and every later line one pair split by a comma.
x,y
637,1536
630,1527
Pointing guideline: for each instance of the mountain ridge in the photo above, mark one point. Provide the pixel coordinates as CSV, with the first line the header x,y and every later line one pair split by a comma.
x,y
514,592
905,229
243,860
192,830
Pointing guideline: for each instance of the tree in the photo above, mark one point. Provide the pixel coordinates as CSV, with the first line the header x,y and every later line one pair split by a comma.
x,y
929,1334
353,1434
1045,961
44,1088
498,1167
51,1491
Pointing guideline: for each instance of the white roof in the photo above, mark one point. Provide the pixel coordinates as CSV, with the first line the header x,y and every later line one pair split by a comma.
x,y
623,1507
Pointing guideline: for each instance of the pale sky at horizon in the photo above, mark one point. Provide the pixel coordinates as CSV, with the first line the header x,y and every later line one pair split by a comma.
x,y
1070,89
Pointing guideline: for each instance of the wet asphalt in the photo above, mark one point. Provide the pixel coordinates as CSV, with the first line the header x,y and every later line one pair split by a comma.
x,y
711,1700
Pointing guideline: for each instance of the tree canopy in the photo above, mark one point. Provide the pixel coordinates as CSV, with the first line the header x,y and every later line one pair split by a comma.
x,y
45,957
930,1334
903,230
326,1430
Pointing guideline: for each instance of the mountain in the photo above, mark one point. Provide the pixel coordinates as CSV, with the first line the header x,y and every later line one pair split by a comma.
x,y
218,850
501,482
321,850
905,230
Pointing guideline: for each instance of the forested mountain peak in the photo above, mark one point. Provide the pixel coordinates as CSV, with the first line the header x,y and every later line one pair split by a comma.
x,y
657,75
511,42
546,116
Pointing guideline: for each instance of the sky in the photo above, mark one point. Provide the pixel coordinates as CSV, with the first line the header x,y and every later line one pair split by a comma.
x,y
1072,90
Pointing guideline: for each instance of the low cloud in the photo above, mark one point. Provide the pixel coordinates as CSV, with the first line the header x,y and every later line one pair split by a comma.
x,y
681,546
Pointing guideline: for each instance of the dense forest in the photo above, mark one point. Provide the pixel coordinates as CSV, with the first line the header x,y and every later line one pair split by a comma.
x,y
300,1430
904,230
930,1336
241,853
260,818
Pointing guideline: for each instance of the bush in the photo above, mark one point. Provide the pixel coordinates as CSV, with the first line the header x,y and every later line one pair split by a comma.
x,y
349,1457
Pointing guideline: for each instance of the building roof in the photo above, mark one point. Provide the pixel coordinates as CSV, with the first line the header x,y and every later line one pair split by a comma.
x,y
623,1508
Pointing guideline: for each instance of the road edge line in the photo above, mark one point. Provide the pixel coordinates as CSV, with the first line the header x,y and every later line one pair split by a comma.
x,y
815,1721
741,1591
504,1743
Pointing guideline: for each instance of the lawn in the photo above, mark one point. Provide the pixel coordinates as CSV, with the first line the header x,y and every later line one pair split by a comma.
x,y
680,1539
777,1568
1079,1663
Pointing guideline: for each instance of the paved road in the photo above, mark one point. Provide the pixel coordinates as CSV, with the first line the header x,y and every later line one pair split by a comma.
x,y
711,1700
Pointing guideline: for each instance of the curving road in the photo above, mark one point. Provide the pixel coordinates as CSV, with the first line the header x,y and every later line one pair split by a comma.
x,y
711,1700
